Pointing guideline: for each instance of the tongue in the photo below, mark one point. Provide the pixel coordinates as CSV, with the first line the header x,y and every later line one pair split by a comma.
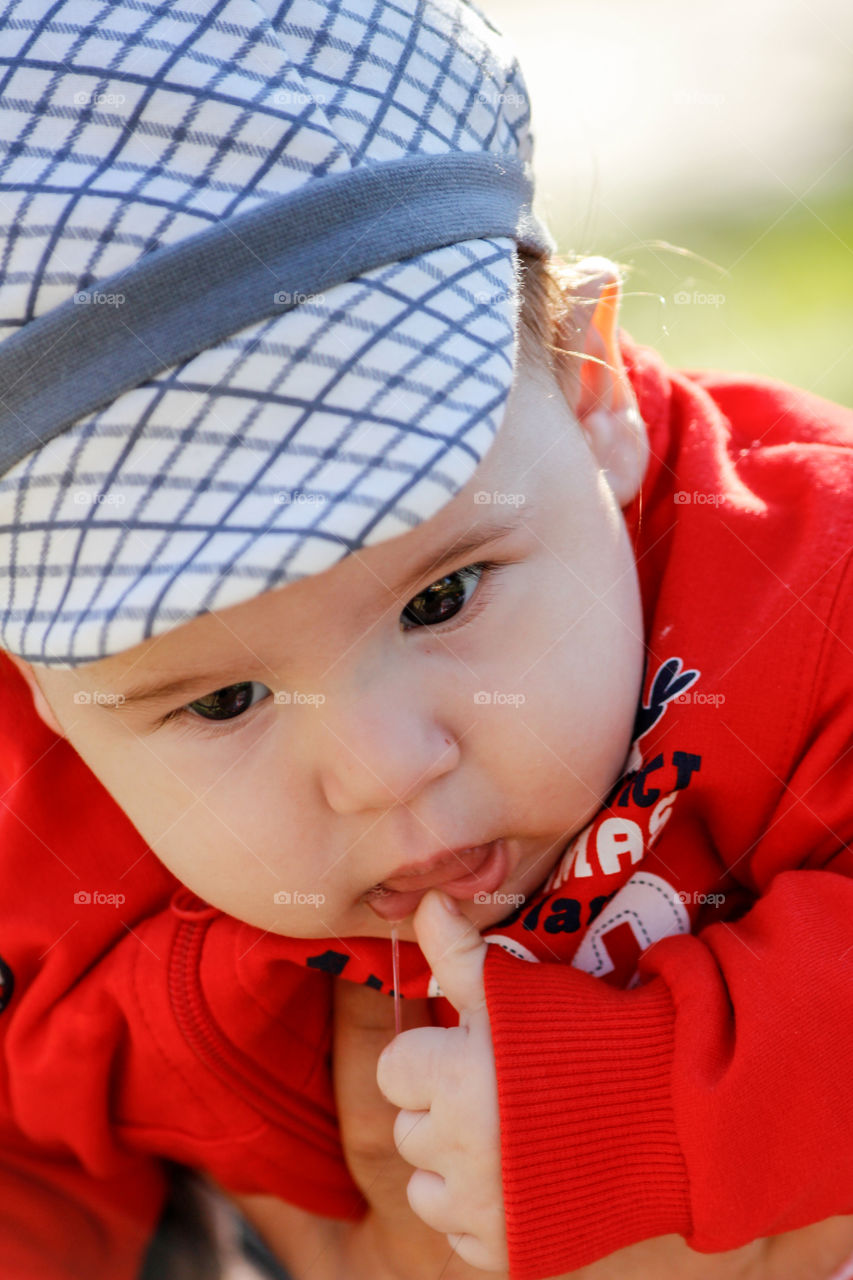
x,y
486,878
465,866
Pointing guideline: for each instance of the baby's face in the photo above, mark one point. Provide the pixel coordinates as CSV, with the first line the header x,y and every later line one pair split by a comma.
x,y
341,739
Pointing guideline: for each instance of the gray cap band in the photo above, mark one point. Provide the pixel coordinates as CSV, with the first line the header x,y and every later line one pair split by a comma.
x,y
185,297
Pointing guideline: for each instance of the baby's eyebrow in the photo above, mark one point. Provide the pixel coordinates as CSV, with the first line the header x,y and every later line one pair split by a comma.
x,y
434,562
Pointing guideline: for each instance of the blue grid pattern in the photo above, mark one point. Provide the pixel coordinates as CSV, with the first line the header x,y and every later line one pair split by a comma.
x,y
129,125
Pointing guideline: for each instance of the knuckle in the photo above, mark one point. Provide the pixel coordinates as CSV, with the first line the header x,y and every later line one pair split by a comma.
x,y
477,1253
404,1125
419,1195
388,1068
424,1192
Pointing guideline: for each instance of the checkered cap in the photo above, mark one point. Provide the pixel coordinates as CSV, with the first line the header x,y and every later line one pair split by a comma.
x,y
158,464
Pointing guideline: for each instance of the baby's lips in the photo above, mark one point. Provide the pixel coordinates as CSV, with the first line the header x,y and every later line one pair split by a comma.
x,y
396,905
453,867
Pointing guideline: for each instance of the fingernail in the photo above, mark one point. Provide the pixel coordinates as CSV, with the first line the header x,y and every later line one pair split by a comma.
x,y
450,905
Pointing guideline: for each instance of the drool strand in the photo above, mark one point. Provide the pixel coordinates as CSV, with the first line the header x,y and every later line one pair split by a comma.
x,y
395,975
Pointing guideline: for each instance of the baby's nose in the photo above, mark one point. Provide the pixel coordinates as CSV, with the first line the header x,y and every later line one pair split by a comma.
x,y
377,754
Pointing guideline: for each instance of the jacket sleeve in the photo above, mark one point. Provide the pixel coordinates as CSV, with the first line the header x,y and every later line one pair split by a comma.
x,y
190,1039
715,1099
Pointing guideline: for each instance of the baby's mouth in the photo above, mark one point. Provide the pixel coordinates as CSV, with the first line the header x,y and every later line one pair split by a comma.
x,y
485,867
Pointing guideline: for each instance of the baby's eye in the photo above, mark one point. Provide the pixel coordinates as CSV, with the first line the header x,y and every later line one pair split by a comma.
x,y
442,599
227,703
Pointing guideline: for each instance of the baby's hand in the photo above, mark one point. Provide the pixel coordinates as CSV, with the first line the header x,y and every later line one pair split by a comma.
x,y
444,1079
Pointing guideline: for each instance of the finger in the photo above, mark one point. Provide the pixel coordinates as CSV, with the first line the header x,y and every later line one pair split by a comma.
x,y
428,1198
413,1138
477,1254
453,949
415,1065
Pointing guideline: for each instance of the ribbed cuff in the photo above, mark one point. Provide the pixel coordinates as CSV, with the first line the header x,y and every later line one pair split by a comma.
x,y
591,1162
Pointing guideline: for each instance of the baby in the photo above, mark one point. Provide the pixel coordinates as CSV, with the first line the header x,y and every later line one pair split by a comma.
x,y
463,602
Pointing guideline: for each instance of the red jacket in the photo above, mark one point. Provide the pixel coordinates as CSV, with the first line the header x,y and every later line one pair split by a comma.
x,y
138,1028
715,1099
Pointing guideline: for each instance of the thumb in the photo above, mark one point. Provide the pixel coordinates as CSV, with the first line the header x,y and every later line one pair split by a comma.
x,y
454,950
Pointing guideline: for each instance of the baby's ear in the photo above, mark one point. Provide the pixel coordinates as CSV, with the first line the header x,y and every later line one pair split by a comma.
x,y
594,380
40,702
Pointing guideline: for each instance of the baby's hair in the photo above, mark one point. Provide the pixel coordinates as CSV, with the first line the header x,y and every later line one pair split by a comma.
x,y
548,297
547,289
541,303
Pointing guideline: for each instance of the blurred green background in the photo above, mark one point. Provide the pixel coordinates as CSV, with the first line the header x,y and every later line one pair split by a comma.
x,y
709,149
